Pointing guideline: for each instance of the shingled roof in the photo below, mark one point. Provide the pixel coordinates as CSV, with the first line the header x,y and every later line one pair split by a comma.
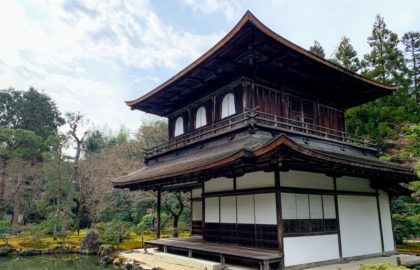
x,y
274,54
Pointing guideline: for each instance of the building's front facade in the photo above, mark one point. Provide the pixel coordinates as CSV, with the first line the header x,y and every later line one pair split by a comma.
x,y
257,135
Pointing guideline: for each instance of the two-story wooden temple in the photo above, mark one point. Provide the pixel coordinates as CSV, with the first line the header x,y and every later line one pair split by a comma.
x,y
257,135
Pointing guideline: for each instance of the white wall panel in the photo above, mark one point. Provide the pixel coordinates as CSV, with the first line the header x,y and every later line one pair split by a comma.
x,y
197,211
329,206
302,206
212,209
218,184
308,249
348,183
306,180
386,221
288,205
359,225
315,202
246,213
228,209
255,180
265,208
196,193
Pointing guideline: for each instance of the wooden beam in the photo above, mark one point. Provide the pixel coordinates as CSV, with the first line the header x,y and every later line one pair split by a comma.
x,y
380,221
159,195
337,218
280,227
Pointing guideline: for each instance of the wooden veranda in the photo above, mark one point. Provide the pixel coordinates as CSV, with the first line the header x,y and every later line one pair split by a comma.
x,y
195,246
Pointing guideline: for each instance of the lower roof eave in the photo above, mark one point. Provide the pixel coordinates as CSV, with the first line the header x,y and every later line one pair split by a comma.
x,y
277,146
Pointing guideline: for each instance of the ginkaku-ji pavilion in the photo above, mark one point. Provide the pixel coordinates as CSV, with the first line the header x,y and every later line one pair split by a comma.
x,y
257,135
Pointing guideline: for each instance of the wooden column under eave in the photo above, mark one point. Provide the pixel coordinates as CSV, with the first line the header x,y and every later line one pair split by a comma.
x,y
337,218
158,206
280,228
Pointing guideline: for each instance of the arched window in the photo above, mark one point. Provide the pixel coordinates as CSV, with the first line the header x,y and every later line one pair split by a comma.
x,y
200,117
179,126
228,105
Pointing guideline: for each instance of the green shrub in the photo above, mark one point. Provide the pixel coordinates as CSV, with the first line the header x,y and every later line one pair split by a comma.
x,y
114,232
5,230
383,266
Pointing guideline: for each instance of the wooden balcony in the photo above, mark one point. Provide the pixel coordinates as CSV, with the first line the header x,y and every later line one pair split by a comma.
x,y
254,119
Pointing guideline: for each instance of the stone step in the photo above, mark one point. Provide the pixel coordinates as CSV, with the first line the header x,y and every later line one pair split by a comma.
x,y
166,261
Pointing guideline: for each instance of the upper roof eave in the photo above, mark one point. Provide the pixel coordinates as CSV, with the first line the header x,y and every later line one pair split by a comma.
x,y
249,17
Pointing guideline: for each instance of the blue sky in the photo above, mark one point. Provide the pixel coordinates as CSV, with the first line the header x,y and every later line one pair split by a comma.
x,y
91,56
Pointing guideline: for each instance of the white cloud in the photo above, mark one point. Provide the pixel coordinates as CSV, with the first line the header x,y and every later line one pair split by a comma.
x,y
48,45
229,8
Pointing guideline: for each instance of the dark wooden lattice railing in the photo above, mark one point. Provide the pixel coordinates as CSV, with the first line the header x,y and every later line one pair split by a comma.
x,y
252,117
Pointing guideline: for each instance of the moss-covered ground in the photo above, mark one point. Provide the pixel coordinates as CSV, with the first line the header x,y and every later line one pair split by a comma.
x,y
134,241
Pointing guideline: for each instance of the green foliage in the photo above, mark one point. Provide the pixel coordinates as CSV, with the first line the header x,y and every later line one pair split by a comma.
x,y
346,56
383,266
118,206
383,118
97,140
114,232
19,143
30,110
411,41
317,49
5,230
152,133
406,218
146,223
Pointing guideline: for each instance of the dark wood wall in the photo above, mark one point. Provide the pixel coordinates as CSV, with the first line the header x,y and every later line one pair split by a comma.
x,y
285,103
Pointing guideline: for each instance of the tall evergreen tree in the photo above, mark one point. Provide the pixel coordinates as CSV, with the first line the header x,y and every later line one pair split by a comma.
x,y
346,56
411,41
385,63
317,49
383,118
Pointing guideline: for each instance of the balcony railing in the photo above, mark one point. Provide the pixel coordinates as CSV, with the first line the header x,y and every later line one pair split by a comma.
x,y
257,118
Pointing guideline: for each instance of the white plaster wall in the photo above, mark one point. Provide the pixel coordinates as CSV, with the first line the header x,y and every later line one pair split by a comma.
x,y
348,183
329,206
197,211
245,210
288,205
218,184
265,208
212,209
228,209
302,206
359,225
196,193
306,180
315,201
255,180
386,221
308,249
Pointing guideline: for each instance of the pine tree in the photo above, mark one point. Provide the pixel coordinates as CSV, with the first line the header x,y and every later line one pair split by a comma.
x,y
411,41
385,63
346,56
384,118
317,49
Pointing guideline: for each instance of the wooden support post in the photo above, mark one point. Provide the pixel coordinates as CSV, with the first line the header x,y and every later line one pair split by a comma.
x,y
222,259
191,210
337,218
158,206
165,249
280,228
380,221
190,253
203,213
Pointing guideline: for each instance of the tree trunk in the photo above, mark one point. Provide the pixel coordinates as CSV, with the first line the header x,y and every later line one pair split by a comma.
x,y
2,191
16,207
175,224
